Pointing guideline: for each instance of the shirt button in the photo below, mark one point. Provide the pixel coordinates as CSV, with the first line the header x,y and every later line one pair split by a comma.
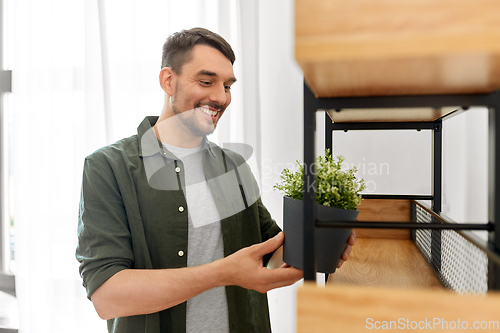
x,y
180,253
181,209
177,169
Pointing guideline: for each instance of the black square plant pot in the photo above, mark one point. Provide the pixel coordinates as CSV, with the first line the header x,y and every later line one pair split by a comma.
x,y
329,242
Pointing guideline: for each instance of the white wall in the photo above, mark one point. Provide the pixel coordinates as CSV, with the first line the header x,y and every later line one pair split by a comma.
x,y
282,126
390,161
465,167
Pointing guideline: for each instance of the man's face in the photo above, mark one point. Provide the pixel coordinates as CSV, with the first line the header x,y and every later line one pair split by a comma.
x,y
202,91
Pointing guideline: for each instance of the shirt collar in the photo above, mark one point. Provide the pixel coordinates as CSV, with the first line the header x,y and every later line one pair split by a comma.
x,y
150,145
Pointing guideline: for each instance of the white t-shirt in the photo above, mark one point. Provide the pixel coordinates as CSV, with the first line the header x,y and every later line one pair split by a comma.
x,y
206,312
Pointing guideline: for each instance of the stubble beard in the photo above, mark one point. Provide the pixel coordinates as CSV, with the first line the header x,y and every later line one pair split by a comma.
x,y
190,120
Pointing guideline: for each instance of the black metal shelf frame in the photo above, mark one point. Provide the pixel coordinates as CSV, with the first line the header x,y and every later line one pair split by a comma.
x,y
491,101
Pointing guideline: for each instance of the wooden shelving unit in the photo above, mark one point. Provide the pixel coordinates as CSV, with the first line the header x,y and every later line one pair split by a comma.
x,y
395,65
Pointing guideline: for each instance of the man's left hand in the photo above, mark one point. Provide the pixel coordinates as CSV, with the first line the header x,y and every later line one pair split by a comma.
x,y
348,248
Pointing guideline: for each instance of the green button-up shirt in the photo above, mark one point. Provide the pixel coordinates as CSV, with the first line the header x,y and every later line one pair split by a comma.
x,y
131,217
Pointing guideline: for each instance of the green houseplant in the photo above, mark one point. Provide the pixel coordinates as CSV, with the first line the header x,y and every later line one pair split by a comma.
x,y
337,197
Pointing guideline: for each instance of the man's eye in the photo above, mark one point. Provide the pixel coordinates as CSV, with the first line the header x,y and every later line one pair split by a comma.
x,y
205,83
228,88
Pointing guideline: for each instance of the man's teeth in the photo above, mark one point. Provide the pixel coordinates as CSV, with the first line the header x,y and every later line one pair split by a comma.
x,y
208,111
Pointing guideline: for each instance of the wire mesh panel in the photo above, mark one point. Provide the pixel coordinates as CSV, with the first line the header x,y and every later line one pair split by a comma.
x,y
463,266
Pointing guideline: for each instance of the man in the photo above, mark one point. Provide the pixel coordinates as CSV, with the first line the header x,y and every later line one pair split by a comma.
x,y
173,236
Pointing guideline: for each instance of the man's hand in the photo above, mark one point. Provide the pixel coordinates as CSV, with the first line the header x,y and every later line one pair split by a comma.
x,y
348,248
141,291
245,268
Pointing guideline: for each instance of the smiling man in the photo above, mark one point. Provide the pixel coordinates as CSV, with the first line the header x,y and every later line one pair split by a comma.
x,y
196,95
173,236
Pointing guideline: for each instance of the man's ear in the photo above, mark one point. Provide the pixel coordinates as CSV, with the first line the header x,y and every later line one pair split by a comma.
x,y
166,80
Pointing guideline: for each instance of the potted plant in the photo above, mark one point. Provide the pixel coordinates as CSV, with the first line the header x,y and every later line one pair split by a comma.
x,y
337,197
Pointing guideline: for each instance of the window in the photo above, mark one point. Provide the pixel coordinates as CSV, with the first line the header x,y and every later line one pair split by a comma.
x,y
7,235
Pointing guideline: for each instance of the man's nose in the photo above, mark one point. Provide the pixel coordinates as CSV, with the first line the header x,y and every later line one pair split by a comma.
x,y
218,94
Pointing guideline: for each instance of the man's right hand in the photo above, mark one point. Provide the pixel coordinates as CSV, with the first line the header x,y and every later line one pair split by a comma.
x,y
141,291
244,268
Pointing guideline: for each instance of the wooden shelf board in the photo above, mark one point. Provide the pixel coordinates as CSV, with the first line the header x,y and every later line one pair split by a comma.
x,y
388,115
384,210
387,263
367,48
347,308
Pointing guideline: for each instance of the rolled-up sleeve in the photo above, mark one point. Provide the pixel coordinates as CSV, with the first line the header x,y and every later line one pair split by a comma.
x,y
104,239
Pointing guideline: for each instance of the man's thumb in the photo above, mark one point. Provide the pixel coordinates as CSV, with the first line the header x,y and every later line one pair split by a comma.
x,y
271,244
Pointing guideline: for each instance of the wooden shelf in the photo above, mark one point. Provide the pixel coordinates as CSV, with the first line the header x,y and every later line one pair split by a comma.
x,y
373,48
384,210
388,115
365,48
347,308
385,257
386,263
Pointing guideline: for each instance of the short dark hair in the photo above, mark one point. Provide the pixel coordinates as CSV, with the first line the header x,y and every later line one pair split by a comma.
x,y
177,48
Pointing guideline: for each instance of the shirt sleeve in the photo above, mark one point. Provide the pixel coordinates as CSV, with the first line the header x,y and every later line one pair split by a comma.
x,y
104,239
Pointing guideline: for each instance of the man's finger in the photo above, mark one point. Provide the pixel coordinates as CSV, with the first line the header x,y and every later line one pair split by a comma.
x,y
283,276
352,238
270,245
347,252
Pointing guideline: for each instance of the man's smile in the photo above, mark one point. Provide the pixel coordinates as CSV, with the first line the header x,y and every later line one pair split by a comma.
x,y
208,110
211,112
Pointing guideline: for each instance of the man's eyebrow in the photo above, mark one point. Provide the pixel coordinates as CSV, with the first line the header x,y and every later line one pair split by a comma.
x,y
210,73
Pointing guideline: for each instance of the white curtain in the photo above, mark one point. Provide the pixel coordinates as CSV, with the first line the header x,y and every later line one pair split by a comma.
x,y
85,73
